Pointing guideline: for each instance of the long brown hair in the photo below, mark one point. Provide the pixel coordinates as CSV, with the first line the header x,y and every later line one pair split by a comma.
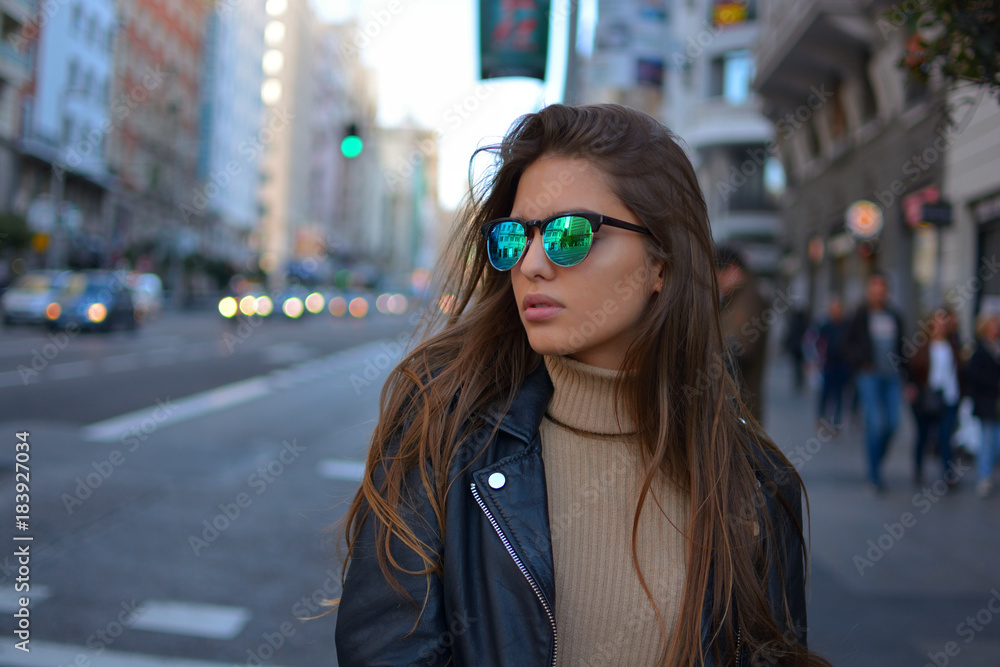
x,y
474,353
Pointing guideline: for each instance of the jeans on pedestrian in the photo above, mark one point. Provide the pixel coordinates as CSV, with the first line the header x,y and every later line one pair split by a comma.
x,y
944,426
989,448
880,397
834,381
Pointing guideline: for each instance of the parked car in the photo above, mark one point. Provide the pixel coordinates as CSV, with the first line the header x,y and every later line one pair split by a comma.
x,y
27,298
147,294
94,300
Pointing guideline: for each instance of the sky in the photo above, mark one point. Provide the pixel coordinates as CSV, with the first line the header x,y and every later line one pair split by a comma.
x,y
426,57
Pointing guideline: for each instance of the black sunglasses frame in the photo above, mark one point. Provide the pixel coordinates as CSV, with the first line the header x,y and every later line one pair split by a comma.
x,y
595,220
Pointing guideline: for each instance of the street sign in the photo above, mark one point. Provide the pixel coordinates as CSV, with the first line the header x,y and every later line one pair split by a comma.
x,y
938,214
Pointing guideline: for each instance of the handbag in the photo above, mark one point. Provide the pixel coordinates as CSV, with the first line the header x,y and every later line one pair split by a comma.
x,y
932,402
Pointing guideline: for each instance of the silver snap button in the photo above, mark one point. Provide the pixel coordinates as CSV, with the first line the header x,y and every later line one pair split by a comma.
x,y
496,480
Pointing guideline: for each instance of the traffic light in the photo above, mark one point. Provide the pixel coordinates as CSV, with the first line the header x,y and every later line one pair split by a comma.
x,y
352,145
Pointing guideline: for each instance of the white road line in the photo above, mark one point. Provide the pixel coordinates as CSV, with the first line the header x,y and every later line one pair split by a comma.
x,y
13,378
346,470
46,654
220,398
184,409
193,619
9,597
71,369
121,362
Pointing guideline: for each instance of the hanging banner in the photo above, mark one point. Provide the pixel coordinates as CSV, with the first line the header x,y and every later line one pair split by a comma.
x,y
513,38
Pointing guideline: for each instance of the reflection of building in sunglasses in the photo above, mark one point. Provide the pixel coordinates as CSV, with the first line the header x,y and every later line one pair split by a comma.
x,y
566,237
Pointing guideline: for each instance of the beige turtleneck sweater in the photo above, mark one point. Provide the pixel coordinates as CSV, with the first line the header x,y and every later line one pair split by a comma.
x,y
603,616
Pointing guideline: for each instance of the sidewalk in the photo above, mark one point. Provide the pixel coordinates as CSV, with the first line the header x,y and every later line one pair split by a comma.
x,y
911,577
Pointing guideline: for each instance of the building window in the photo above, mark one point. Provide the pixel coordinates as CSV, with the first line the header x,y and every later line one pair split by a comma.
x,y
838,123
730,76
71,75
77,16
867,107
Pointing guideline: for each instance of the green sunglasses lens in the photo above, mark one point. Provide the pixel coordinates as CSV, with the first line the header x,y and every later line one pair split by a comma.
x,y
506,242
567,240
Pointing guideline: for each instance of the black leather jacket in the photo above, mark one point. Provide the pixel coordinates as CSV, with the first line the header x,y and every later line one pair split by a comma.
x,y
495,602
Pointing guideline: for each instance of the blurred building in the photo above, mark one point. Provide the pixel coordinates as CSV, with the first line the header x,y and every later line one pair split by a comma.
x,y
972,188
17,44
153,145
691,65
341,205
709,102
287,95
412,217
852,130
231,133
64,130
626,65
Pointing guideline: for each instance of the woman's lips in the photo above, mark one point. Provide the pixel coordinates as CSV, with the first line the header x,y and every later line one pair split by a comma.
x,y
539,313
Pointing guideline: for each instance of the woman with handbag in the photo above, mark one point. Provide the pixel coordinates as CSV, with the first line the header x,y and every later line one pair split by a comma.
x,y
982,378
934,393
562,470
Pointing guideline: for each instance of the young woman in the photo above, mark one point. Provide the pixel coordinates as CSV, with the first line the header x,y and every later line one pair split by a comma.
x,y
934,392
562,472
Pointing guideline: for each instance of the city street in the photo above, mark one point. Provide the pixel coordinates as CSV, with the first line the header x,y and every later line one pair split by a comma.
x,y
179,502
179,492
910,578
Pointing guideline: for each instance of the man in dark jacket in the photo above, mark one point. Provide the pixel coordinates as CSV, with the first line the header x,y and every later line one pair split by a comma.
x,y
742,309
874,348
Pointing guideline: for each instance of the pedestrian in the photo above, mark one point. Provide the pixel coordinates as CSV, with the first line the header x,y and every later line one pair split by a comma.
x,y
593,344
982,377
836,371
798,325
743,325
933,392
874,347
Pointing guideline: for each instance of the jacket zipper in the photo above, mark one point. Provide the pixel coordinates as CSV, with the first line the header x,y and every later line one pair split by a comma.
x,y
524,570
739,641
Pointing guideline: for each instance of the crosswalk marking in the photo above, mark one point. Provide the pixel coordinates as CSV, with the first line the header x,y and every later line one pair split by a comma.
x,y
193,619
47,654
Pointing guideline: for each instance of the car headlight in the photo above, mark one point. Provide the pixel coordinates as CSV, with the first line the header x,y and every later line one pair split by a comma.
x,y
97,312
228,306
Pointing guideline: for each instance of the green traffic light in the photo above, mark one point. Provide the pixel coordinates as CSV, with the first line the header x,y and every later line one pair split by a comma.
x,y
351,146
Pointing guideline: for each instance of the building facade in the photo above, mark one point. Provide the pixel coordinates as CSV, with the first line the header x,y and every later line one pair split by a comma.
x,y
231,145
852,130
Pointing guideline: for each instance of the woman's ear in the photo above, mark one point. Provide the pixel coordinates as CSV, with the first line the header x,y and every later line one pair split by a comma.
x,y
658,268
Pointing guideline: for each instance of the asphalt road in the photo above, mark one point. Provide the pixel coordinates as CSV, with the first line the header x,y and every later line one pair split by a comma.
x,y
181,485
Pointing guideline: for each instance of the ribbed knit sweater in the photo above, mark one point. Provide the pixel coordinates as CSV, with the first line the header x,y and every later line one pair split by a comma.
x,y
593,474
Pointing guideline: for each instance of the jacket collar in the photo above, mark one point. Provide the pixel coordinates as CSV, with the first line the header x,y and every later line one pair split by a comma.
x,y
526,412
